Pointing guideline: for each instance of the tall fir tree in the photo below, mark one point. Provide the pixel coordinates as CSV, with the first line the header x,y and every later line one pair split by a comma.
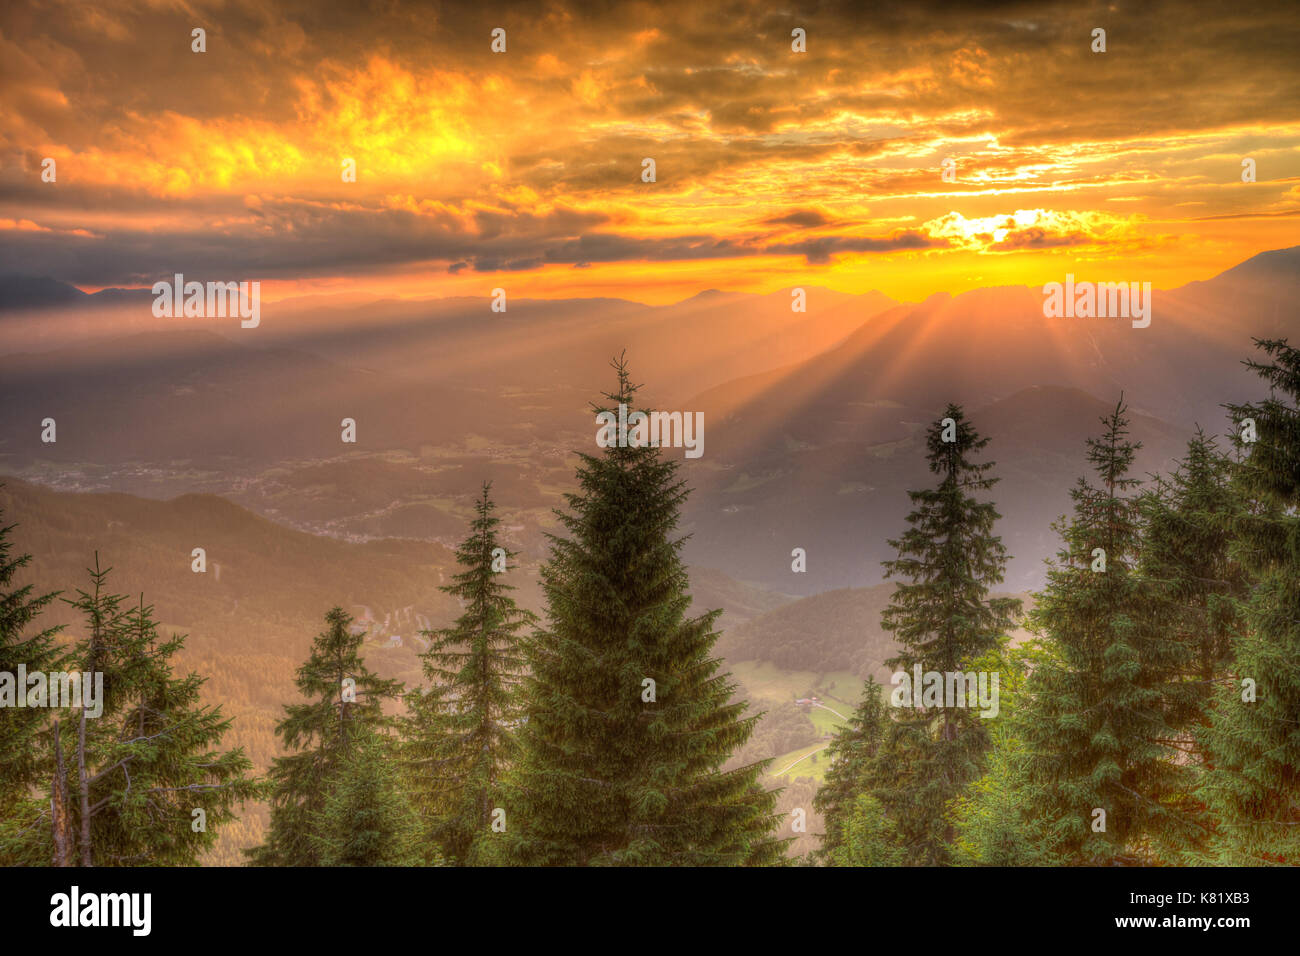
x,y
345,701
1252,781
24,731
850,755
161,787
99,652
1187,557
1098,745
127,770
1196,585
460,733
942,618
628,718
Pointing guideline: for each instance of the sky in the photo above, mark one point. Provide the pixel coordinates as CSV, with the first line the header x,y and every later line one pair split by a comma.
x,y
523,169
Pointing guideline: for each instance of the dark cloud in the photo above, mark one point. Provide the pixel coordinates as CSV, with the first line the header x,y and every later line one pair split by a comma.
x,y
821,249
308,240
804,218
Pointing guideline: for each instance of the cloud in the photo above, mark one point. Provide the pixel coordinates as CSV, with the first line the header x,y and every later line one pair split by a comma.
x,y
804,218
532,158
822,248
1027,229
1037,238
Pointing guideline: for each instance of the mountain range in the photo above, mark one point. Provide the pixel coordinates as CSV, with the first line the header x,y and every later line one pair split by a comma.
x,y
812,419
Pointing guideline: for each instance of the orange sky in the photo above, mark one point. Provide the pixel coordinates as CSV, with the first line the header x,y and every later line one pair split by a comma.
x,y
522,169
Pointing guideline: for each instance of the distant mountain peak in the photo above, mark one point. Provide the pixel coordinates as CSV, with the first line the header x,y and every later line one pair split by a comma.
x,y
36,292
708,294
1273,263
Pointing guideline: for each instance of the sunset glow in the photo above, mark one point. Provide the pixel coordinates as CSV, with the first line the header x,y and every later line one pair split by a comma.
x,y
774,167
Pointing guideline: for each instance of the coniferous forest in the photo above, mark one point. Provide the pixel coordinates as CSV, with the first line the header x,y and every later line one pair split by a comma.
x,y
1149,714
635,472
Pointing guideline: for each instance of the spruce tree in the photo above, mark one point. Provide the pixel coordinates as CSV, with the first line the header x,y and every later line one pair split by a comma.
x,y
1187,559
614,770
367,819
83,738
1252,780
869,836
1196,585
88,738
161,788
990,823
345,701
24,731
1098,745
850,754
123,774
943,618
460,734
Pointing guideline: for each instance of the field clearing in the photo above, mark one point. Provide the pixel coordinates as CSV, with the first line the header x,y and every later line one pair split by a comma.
x,y
838,692
810,761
